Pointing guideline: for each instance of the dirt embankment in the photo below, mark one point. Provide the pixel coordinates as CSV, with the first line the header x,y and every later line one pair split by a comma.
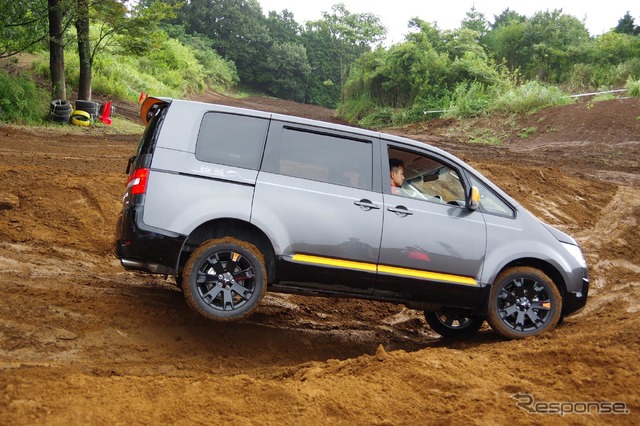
x,y
83,342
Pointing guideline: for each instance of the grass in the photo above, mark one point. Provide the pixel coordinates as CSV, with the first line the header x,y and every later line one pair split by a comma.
x,y
483,130
633,88
529,131
119,126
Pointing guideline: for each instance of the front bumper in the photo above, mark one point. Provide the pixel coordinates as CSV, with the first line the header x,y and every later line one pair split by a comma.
x,y
575,301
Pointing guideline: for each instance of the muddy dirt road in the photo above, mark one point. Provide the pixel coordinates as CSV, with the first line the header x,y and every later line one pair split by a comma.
x,y
83,342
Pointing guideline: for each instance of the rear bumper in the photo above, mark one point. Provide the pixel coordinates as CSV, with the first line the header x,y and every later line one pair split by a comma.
x,y
143,248
575,301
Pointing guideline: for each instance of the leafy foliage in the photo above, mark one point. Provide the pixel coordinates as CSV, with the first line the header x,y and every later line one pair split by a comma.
x,y
633,87
626,25
288,70
21,100
171,68
23,25
237,30
510,63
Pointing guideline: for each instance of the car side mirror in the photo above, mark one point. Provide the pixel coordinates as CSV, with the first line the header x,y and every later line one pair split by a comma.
x,y
473,202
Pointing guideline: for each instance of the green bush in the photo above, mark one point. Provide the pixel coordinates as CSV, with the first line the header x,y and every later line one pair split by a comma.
x,y
468,100
633,87
529,97
356,109
21,100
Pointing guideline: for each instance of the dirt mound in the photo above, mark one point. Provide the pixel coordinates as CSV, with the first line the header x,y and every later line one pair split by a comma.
x,y
84,342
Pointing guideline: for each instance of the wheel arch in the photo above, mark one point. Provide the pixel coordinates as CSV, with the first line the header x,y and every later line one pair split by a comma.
x,y
229,227
547,268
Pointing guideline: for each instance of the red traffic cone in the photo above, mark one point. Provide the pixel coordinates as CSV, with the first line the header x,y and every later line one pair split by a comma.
x,y
105,117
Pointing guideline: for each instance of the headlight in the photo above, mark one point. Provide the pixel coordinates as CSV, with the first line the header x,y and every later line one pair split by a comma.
x,y
576,253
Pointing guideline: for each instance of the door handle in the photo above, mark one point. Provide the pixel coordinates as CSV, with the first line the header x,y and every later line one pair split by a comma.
x,y
366,204
400,210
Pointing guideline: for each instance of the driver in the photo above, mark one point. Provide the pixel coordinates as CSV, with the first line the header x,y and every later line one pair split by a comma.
x,y
396,167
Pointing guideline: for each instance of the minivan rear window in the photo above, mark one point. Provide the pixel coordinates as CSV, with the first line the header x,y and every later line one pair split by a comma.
x,y
232,140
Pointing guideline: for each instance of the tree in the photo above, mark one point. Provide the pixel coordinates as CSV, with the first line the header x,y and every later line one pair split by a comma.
x,y
325,68
282,27
507,17
287,71
507,41
352,34
138,23
57,28
23,24
475,21
84,49
626,25
545,46
237,30
553,42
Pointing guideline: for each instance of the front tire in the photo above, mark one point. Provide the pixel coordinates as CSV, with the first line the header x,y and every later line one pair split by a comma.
x,y
452,325
524,302
225,279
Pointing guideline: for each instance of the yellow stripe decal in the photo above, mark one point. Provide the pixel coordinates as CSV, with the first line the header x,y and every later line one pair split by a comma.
x,y
390,270
436,276
316,260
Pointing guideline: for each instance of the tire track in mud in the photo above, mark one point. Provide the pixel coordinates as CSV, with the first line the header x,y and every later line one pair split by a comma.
x,y
611,250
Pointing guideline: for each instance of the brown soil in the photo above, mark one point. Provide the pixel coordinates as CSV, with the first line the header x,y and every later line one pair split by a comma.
x,y
84,342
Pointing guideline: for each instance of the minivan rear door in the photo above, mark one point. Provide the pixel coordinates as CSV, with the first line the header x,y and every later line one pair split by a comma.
x,y
315,198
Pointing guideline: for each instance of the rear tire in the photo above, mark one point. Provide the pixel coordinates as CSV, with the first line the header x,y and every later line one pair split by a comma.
x,y
225,279
524,302
452,325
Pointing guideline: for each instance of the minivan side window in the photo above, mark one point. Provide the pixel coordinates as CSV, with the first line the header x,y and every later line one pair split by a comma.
x,y
232,140
427,178
321,157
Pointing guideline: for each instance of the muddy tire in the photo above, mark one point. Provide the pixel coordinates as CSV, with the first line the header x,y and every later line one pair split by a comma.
x,y
453,325
225,279
524,302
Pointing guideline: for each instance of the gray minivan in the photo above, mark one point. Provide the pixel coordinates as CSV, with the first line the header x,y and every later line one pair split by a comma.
x,y
233,202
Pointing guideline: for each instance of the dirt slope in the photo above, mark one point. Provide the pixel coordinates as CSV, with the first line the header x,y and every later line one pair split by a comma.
x,y
83,342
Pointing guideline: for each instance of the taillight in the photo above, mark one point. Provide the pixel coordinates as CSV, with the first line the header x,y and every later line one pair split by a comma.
x,y
138,182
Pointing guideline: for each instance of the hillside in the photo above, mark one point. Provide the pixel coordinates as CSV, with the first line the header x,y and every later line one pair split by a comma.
x,y
83,342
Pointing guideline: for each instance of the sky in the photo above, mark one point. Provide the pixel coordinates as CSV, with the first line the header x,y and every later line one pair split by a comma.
x,y
599,16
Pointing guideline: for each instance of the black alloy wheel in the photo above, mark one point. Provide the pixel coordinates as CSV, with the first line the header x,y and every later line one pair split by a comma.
x,y
225,279
453,324
524,302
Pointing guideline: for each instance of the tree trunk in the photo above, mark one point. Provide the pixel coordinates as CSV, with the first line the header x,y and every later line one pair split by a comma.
x,y
56,50
84,50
